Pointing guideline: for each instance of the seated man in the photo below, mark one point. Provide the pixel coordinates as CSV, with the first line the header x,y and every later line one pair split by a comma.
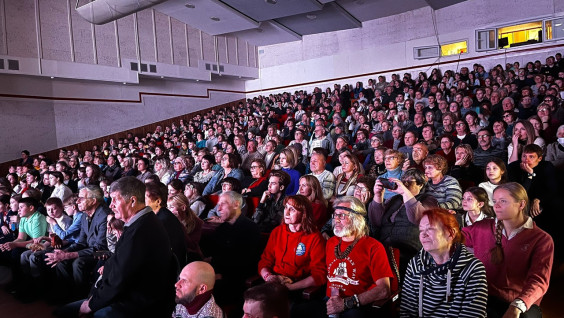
x,y
74,265
538,177
137,281
194,292
233,247
358,271
271,207
326,179
266,300
486,151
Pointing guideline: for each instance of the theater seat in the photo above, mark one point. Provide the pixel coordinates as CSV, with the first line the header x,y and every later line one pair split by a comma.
x,y
389,306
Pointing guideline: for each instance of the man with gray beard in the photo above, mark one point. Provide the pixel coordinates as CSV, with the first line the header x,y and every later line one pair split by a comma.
x,y
358,271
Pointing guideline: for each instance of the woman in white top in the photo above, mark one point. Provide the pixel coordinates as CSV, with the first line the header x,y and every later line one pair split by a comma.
x,y
496,172
475,203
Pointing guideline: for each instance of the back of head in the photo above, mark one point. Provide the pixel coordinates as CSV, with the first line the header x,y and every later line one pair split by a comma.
x,y
273,299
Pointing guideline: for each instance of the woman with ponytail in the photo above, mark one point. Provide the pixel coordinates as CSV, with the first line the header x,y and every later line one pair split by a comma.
x,y
517,255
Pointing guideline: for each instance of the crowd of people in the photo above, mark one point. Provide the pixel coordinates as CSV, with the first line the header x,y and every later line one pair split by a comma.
x,y
458,172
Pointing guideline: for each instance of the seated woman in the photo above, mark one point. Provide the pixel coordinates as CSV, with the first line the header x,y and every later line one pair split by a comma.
x,y
193,192
444,279
288,161
444,188
229,164
463,134
496,172
204,176
517,276
375,163
180,207
464,170
257,183
311,188
162,170
295,252
476,206
346,181
395,222
393,160
364,189
523,134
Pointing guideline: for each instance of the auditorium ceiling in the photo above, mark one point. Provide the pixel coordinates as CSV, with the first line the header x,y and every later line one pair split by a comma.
x,y
266,22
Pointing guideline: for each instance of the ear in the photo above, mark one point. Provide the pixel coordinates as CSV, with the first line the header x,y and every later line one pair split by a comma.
x,y
202,289
522,205
481,204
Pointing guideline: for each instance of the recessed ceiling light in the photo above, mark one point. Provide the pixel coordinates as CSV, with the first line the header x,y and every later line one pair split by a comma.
x,y
311,16
124,83
52,77
215,19
162,76
197,80
271,1
189,6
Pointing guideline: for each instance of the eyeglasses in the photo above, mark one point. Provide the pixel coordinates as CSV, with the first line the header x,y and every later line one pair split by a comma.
x,y
390,158
459,124
361,189
255,167
506,115
483,136
340,216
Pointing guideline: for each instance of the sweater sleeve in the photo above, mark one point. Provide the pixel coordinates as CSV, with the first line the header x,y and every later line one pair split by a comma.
x,y
375,213
538,276
317,265
475,292
453,194
268,257
72,230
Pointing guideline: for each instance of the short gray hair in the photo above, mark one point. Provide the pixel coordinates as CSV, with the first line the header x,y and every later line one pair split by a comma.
x,y
95,192
234,197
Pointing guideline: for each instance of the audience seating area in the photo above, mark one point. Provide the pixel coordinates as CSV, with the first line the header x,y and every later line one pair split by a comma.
x,y
507,118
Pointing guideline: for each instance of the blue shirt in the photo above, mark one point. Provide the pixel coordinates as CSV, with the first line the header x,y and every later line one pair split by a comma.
x,y
72,232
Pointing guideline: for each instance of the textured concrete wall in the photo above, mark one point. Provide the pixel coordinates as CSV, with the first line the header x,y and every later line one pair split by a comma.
x,y
388,43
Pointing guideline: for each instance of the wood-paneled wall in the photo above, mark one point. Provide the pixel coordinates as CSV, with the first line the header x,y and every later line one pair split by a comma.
x,y
139,131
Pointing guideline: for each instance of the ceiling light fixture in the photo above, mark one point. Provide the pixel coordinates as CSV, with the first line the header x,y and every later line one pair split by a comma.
x,y
216,19
271,1
190,6
311,16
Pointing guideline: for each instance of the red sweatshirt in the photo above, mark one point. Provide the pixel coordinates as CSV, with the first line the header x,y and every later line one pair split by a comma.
x,y
525,271
295,255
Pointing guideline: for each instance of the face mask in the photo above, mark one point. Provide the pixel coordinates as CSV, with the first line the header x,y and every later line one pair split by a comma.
x,y
561,141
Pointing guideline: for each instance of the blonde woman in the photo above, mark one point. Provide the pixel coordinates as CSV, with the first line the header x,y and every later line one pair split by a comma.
x,y
346,181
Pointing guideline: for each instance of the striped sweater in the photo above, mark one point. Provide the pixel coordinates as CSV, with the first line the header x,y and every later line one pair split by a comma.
x,y
447,192
425,292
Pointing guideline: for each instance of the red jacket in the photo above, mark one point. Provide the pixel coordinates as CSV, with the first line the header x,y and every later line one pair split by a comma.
x,y
295,255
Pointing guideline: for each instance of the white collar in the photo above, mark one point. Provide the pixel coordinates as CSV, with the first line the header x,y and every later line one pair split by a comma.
x,y
527,225
468,221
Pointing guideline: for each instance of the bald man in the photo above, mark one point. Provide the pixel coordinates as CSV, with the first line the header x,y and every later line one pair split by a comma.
x,y
194,292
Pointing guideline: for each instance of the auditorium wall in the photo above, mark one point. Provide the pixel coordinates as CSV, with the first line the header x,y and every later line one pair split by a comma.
x,y
387,44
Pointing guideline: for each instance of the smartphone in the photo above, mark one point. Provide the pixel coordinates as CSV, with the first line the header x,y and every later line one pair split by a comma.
x,y
387,184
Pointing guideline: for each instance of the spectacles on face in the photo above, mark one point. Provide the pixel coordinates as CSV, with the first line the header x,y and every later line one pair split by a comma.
x,y
459,125
483,136
255,167
361,189
340,216
391,158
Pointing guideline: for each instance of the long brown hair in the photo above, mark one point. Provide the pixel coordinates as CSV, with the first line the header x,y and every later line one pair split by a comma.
x,y
187,217
316,191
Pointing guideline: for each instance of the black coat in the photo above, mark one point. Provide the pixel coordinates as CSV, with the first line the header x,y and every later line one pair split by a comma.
x,y
139,278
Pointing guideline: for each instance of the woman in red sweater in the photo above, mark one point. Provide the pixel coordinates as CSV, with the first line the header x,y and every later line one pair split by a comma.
x,y
295,252
517,254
